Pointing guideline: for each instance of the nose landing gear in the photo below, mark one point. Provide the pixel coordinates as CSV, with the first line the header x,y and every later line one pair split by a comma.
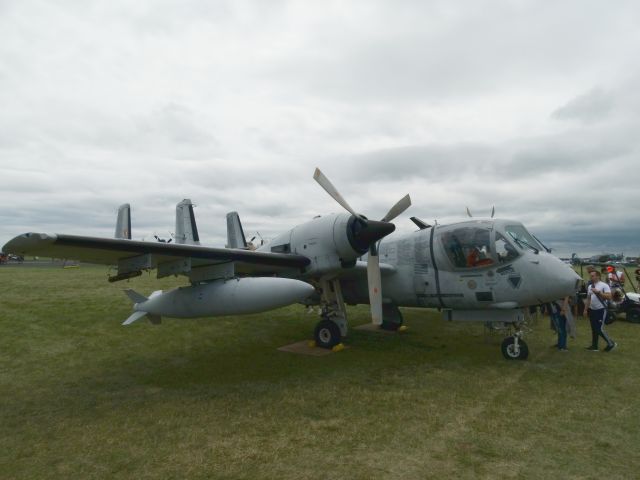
x,y
514,348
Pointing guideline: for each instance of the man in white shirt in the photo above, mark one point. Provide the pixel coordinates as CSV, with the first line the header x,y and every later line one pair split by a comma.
x,y
597,295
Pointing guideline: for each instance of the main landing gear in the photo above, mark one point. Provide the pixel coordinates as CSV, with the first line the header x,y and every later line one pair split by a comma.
x,y
327,334
391,318
333,326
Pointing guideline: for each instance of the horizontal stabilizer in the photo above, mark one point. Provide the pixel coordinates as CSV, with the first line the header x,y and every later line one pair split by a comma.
x,y
135,296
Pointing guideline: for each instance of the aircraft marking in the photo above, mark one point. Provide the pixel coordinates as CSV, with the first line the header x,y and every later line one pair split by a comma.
x,y
515,281
505,270
421,268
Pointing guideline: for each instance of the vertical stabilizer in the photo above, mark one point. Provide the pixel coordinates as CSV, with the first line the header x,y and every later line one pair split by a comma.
x,y
235,234
186,229
123,224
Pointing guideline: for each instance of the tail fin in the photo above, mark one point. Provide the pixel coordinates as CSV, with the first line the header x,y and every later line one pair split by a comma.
x,y
235,234
136,297
123,224
186,229
155,319
134,316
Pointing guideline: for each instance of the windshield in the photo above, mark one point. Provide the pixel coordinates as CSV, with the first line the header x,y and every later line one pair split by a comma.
x,y
505,251
468,247
522,238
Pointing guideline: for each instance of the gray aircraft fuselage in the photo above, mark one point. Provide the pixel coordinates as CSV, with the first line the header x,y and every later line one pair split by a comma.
x,y
427,275
434,267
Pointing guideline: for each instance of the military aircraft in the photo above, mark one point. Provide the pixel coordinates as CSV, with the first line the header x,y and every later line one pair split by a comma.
x,y
484,270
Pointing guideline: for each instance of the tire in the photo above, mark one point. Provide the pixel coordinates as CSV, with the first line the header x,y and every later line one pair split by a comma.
x,y
391,326
391,318
326,334
633,316
508,350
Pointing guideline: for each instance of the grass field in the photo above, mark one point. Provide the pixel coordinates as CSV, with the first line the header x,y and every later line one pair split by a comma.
x,y
83,397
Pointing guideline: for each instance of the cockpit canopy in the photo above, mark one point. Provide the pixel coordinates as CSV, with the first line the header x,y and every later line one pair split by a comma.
x,y
480,244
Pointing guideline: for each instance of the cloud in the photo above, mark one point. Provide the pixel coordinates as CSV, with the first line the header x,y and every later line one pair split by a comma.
x,y
526,107
590,107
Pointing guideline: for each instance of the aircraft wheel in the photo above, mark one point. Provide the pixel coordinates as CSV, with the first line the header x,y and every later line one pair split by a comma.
x,y
633,316
391,326
391,318
511,353
327,334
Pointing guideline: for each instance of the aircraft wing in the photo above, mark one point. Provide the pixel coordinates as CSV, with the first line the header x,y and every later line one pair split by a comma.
x,y
116,251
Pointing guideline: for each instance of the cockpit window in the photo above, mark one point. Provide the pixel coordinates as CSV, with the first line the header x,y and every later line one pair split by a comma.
x,y
468,247
522,238
505,251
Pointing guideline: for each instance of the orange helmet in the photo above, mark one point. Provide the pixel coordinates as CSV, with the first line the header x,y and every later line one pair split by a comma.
x,y
609,268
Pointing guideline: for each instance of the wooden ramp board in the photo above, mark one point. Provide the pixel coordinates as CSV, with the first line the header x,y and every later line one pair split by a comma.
x,y
303,348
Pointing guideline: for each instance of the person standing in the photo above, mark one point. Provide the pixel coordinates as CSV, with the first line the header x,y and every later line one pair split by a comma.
x,y
597,295
581,297
560,311
616,278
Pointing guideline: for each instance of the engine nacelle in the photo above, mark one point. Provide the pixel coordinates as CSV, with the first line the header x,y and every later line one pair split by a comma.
x,y
331,242
227,297
325,240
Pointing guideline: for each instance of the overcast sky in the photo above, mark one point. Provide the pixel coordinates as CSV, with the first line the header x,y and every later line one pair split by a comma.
x,y
531,106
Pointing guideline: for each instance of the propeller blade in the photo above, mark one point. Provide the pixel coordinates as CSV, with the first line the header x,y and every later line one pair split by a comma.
x,y
398,208
375,287
469,213
493,211
324,182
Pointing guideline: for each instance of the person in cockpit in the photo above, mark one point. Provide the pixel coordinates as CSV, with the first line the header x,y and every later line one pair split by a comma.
x,y
478,257
479,250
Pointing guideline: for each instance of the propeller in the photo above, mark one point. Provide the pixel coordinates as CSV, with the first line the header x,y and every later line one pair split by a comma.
x,y
324,182
162,240
368,236
397,209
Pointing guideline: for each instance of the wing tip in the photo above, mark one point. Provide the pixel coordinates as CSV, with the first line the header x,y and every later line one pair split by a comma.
x,y
27,240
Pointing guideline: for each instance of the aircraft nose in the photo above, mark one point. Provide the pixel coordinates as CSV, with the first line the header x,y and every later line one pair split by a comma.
x,y
568,280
